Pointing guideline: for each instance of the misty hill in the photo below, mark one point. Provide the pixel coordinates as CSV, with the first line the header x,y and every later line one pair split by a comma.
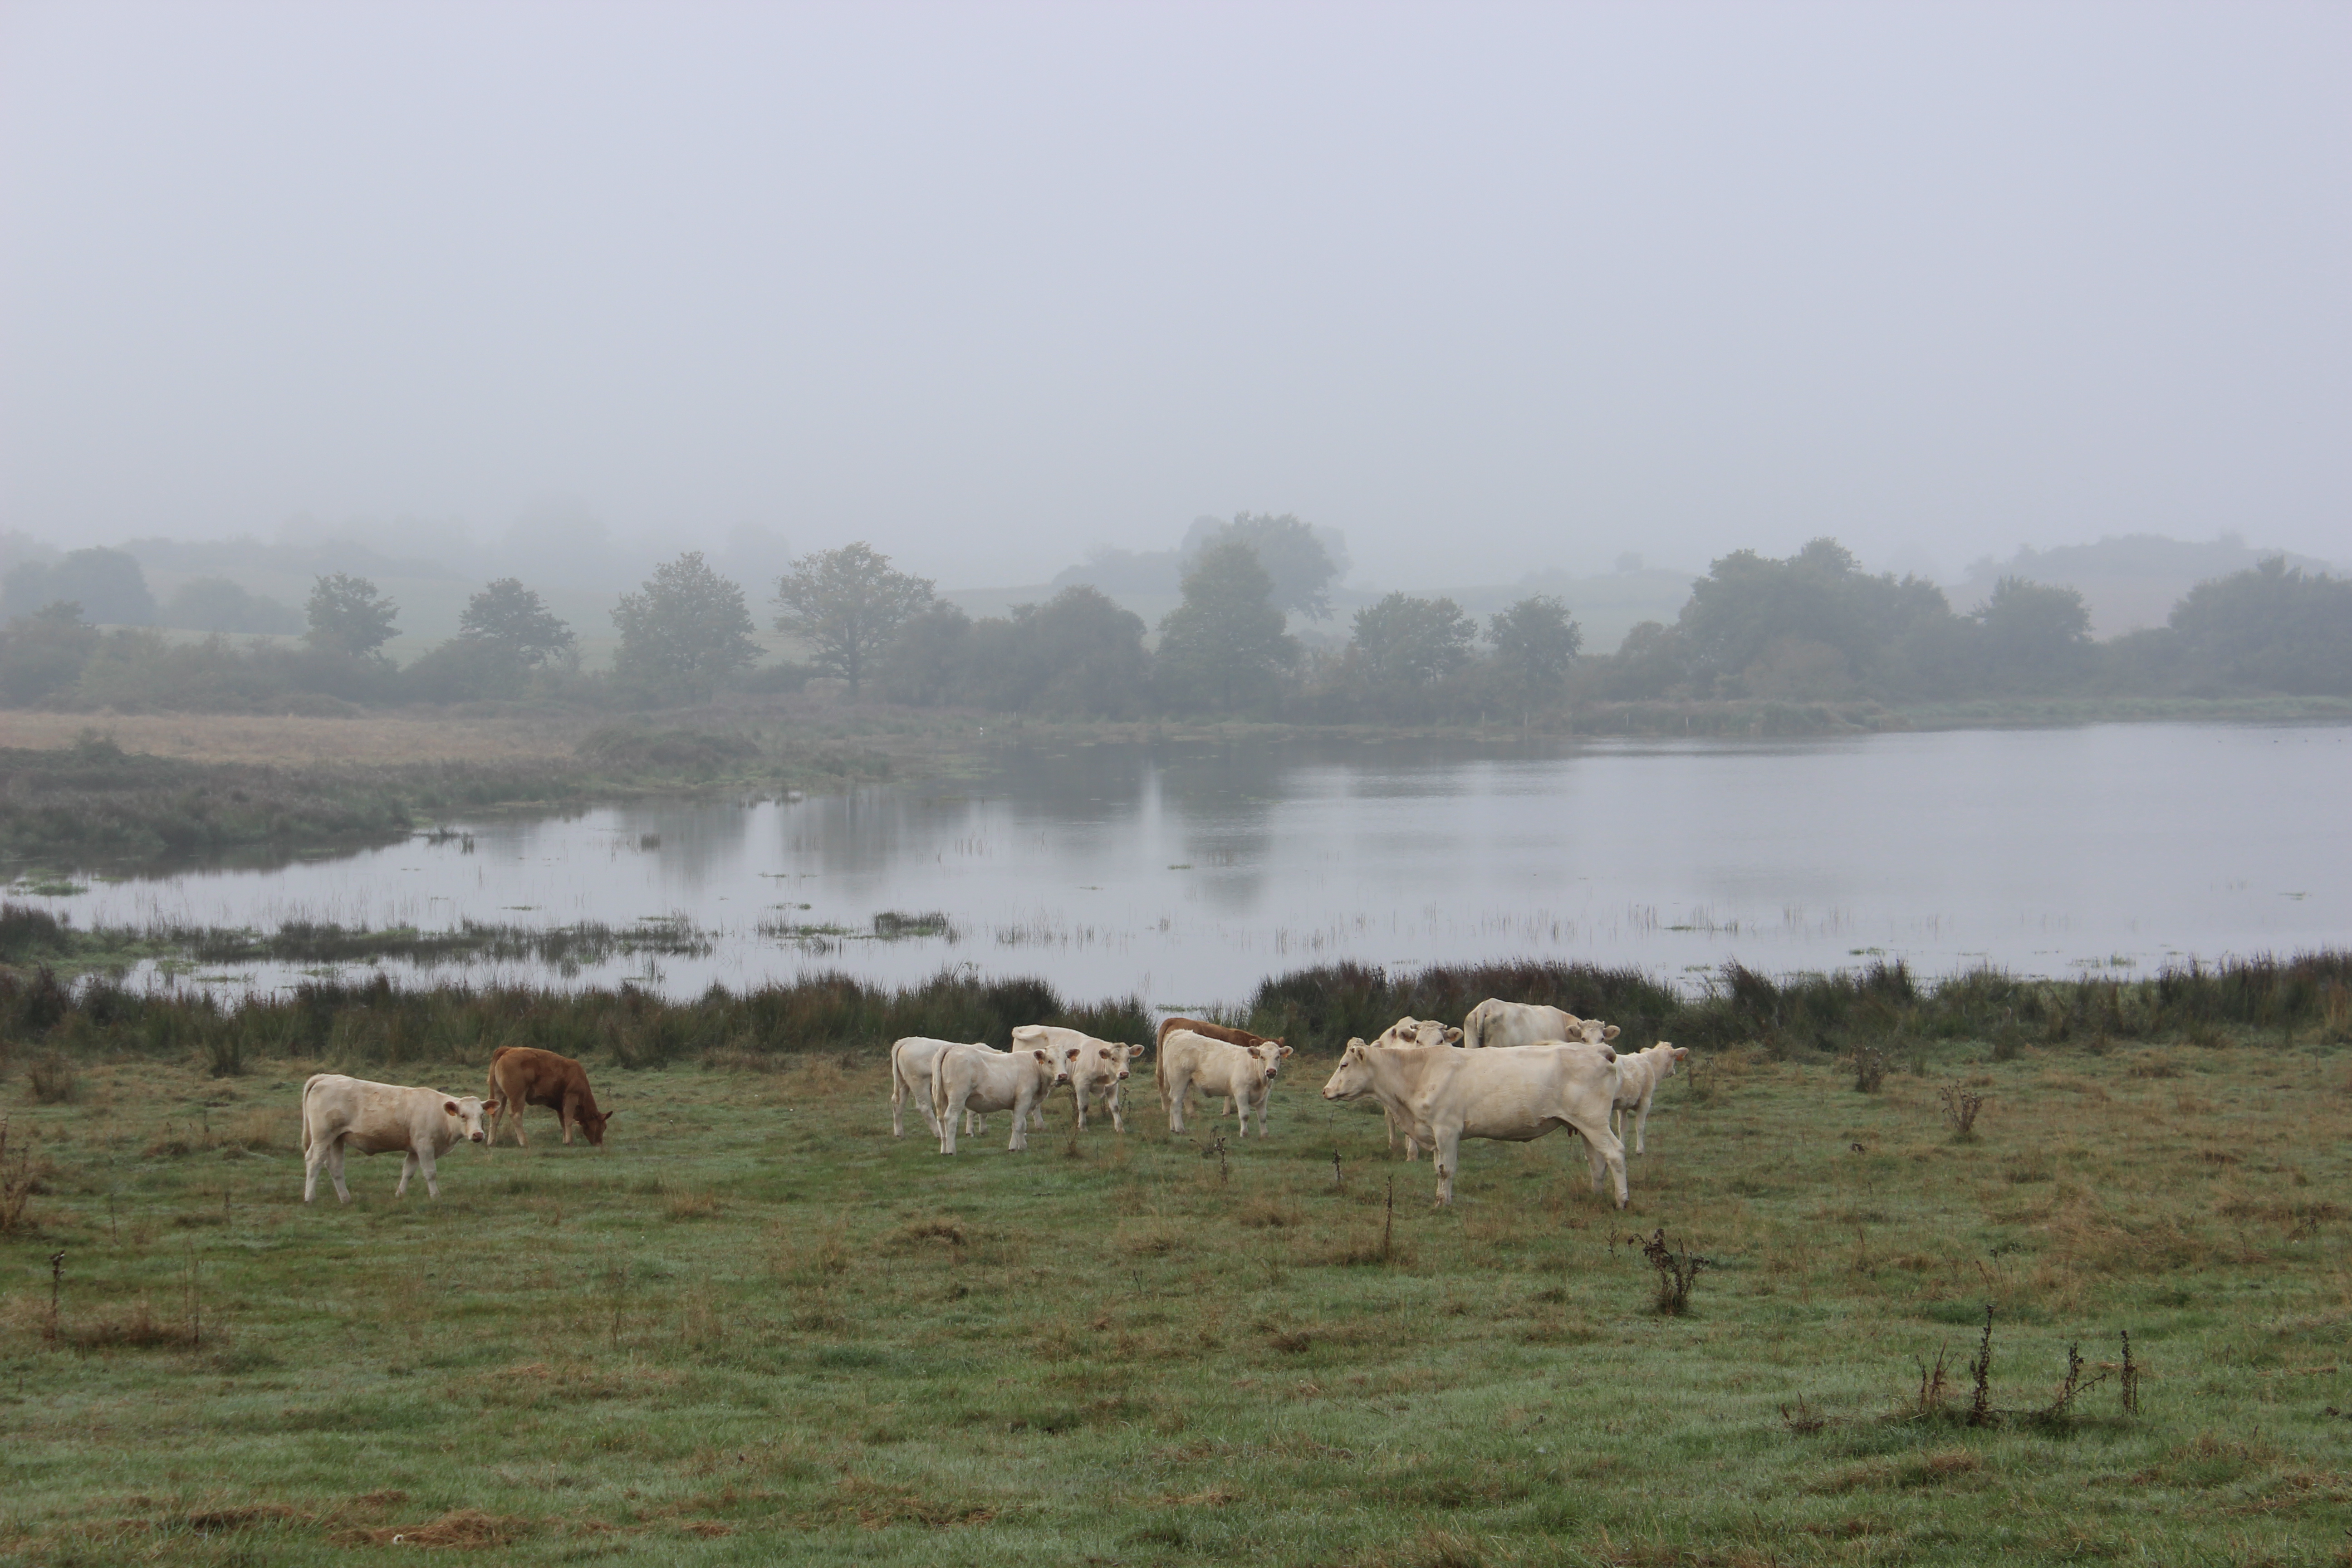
x,y
2129,581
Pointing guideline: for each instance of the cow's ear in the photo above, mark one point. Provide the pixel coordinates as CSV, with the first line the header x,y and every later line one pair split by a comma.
x,y
450,1108
491,1108
1682,1053
1071,1055
1609,1033
1041,1055
1286,1049
1452,1037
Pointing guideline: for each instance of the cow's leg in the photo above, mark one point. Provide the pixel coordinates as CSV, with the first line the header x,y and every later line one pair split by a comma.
x,y
1118,1111
1019,1140
425,1160
408,1168
335,1167
1179,1090
1607,1154
314,1157
1641,1127
898,1103
570,1112
954,1113
1446,1153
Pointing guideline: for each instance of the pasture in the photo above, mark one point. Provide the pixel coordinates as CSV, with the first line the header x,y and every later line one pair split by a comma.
x,y
754,1328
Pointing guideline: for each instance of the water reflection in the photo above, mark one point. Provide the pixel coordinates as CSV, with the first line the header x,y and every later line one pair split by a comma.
x,y
1187,872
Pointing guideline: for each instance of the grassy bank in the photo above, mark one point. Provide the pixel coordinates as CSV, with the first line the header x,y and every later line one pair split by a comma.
x,y
94,803
753,1328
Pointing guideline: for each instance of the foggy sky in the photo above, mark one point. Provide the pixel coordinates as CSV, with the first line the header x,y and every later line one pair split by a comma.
x,y
1488,287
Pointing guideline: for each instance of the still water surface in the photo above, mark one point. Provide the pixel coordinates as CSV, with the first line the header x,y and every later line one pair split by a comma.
x,y
1185,873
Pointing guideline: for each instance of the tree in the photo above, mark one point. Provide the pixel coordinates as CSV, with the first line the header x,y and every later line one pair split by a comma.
x,y
2036,637
347,615
1747,603
1076,653
928,663
2271,629
1534,642
846,605
1301,562
107,584
1653,660
684,631
510,617
42,653
1404,644
1226,637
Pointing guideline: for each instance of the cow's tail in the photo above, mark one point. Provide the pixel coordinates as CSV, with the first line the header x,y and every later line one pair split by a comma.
x,y
307,1084
939,1084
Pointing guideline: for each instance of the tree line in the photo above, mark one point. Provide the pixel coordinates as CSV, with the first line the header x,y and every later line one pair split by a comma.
x,y
1811,627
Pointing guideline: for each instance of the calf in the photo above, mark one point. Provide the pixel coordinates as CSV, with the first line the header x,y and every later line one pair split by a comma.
x,y
1231,1036
976,1078
1096,1068
1639,1074
1443,1096
377,1117
525,1075
1242,1074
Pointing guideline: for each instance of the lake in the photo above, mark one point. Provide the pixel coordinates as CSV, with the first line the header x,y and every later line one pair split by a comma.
x,y
1185,873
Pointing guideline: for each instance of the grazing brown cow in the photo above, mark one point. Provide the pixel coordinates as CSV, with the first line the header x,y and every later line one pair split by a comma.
x,y
525,1075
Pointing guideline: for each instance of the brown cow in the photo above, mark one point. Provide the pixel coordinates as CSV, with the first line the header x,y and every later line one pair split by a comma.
x,y
1241,1038
525,1075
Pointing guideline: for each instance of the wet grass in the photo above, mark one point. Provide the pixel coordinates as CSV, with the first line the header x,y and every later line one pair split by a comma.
x,y
755,1328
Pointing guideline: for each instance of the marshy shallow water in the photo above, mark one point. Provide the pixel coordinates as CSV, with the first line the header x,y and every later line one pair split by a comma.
x,y
1185,873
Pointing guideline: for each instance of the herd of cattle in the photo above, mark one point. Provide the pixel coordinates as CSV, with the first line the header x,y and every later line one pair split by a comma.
x,y
1513,1071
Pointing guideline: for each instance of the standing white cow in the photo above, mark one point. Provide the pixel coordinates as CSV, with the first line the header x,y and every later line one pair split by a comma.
x,y
1411,1031
1445,1096
1242,1074
1494,1022
377,1117
910,1078
977,1079
1096,1068
1639,1074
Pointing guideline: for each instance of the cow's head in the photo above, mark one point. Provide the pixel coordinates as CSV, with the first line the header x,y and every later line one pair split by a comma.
x,y
1270,1053
1593,1032
470,1112
1676,1055
1045,1058
591,1123
1352,1079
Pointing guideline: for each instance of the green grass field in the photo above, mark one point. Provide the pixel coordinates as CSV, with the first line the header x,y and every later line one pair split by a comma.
x,y
755,1329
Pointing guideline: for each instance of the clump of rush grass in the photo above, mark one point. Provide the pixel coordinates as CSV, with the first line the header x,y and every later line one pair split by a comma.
x,y
18,1178
1678,1271
1960,1108
52,1080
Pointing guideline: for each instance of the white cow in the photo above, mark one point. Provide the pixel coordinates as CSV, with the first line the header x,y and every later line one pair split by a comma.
x,y
1639,1074
376,1118
977,1079
1096,1068
1242,1074
1411,1031
1494,1022
911,1078
1445,1096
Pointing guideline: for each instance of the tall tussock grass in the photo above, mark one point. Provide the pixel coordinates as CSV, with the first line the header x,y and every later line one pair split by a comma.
x,y
375,1024
1322,1007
